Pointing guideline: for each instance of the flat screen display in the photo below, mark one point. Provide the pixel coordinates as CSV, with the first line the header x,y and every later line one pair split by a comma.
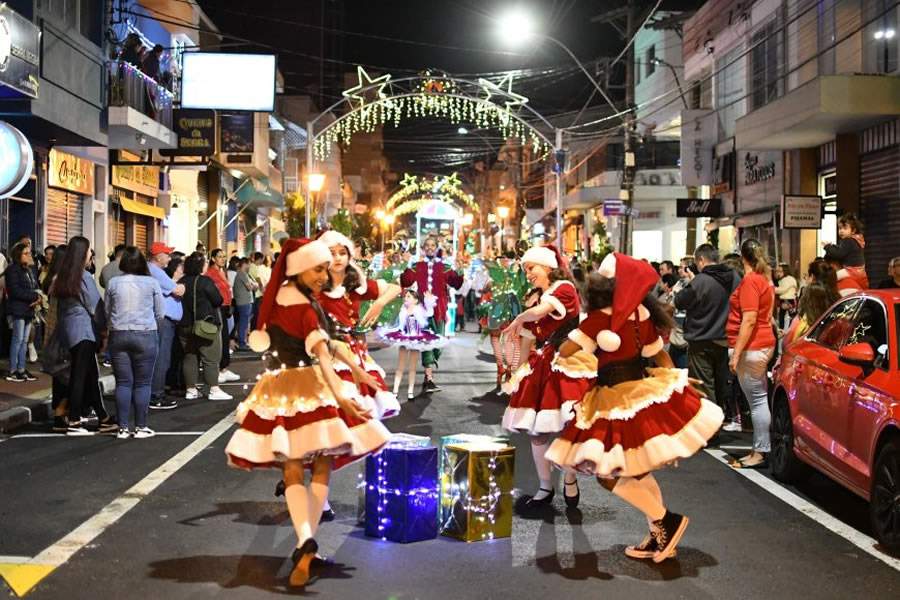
x,y
228,81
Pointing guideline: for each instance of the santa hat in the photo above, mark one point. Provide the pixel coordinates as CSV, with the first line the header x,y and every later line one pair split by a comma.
x,y
635,279
296,256
547,256
333,238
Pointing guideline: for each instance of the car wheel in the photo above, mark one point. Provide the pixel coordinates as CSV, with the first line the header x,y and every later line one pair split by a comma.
x,y
884,507
785,465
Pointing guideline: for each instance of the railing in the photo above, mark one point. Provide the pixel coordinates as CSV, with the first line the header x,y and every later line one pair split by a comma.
x,y
129,86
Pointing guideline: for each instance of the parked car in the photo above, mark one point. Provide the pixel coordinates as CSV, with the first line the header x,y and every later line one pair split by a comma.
x,y
836,405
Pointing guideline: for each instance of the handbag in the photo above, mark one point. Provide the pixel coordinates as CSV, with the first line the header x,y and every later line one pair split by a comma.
x,y
202,328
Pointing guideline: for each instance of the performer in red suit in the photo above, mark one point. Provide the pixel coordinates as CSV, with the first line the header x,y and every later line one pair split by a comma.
x,y
431,275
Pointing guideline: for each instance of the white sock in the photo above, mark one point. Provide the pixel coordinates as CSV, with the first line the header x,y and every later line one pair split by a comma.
x,y
317,496
542,466
641,496
326,506
298,507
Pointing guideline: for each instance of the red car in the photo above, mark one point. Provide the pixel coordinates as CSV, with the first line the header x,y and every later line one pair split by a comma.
x,y
836,405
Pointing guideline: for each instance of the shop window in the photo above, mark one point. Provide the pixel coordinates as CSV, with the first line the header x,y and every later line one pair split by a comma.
x,y
765,65
730,74
700,95
650,60
882,36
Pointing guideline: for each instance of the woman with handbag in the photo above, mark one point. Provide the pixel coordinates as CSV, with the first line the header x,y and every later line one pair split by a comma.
x,y
81,320
200,329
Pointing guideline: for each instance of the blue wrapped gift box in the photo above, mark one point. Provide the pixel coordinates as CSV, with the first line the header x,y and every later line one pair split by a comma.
x,y
402,493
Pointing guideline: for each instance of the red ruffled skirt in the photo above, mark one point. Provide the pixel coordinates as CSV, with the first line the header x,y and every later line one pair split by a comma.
x,y
291,414
380,401
544,391
636,427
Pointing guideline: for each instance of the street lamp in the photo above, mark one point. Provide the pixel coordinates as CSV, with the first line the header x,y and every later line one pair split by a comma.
x,y
315,181
503,213
659,61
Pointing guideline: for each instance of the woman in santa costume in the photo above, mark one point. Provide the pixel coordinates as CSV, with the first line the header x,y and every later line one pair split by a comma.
x,y
301,415
544,390
635,420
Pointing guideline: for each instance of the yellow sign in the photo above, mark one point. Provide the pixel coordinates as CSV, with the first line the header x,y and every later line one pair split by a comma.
x,y
141,179
71,173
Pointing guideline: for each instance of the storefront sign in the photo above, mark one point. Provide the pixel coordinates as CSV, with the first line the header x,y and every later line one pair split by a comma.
x,y
141,179
696,207
19,52
16,160
196,131
699,134
68,172
723,173
756,171
236,134
612,208
829,185
801,212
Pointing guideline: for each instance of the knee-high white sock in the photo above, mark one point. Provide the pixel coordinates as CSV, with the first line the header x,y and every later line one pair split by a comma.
x,y
542,466
298,507
640,495
317,496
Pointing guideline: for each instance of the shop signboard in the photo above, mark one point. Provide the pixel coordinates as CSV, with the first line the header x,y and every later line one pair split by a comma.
x,y
698,207
20,41
236,133
612,208
16,160
196,132
142,179
801,212
699,134
69,172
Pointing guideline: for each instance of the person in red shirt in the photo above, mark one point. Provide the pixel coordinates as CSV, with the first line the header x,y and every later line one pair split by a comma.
x,y
751,342
216,272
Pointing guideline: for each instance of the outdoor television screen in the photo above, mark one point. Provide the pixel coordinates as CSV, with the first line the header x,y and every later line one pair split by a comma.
x,y
228,81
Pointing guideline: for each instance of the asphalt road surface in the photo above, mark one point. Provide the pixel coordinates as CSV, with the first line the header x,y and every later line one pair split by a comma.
x,y
96,517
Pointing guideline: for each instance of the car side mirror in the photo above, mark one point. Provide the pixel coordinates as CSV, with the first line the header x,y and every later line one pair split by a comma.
x,y
860,354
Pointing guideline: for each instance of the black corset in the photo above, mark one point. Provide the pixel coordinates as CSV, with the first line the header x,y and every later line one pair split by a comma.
x,y
620,371
291,351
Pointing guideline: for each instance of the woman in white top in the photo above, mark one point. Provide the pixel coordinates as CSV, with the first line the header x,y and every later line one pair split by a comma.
x,y
786,290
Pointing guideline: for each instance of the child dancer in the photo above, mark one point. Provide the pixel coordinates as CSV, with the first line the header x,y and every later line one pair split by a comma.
x,y
848,255
500,304
635,420
412,336
300,415
545,388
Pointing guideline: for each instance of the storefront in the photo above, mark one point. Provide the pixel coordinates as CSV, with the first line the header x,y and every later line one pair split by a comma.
x,y
879,196
71,187
760,186
135,219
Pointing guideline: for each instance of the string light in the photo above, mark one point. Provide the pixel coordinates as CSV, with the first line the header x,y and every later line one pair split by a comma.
x,y
414,192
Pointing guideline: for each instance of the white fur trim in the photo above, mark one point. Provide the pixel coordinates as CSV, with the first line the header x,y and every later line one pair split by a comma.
x,y
572,373
591,457
336,293
289,295
259,340
314,338
842,274
540,255
847,292
608,266
608,340
307,256
512,386
333,238
583,340
362,278
652,349
532,422
559,311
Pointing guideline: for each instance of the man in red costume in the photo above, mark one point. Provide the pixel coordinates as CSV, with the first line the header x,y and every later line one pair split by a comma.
x,y
432,276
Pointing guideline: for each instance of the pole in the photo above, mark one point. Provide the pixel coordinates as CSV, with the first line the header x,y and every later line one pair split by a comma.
x,y
628,172
309,169
678,83
560,168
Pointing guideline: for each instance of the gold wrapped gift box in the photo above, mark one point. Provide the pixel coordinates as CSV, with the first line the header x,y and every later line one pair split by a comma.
x,y
476,490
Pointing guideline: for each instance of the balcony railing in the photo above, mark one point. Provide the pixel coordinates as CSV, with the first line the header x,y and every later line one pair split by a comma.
x,y
129,86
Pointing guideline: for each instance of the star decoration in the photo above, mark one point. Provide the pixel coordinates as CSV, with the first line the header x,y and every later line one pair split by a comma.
x,y
513,99
365,82
408,180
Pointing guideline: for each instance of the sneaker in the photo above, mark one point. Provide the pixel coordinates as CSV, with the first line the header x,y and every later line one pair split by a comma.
x,y
59,425
430,386
123,434
77,429
32,353
731,426
28,376
16,377
141,433
165,404
646,549
192,394
107,364
227,376
668,532
216,393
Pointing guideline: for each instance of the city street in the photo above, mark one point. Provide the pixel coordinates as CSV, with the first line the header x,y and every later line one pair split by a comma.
x,y
95,517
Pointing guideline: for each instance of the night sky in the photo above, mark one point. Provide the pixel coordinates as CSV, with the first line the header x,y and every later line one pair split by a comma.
x,y
404,37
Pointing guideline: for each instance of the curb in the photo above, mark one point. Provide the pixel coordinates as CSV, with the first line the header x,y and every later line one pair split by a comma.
x,y
20,416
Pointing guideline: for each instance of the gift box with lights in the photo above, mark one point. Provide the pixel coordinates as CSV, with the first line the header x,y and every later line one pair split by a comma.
x,y
466,438
476,490
402,490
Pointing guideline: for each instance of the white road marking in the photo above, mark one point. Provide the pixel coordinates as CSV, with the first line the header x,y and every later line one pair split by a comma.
x,y
736,447
95,434
14,559
84,534
860,540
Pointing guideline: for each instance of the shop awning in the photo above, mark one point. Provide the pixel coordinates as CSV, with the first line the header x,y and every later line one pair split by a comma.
x,y
258,192
139,208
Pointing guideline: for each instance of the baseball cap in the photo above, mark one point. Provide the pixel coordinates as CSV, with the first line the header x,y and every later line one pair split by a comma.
x,y
160,248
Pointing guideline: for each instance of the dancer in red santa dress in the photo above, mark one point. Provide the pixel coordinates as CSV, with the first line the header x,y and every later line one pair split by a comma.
x,y
300,414
635,420
544,390
431,276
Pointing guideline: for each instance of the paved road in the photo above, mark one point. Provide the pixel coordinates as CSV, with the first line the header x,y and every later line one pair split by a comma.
x,y
164,518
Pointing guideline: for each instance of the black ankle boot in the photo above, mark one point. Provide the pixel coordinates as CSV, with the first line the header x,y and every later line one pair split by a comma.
x,y
279,488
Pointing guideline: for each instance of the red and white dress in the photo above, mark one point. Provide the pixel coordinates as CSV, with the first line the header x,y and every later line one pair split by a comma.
x,y
342,307
544,390
635,420
291,414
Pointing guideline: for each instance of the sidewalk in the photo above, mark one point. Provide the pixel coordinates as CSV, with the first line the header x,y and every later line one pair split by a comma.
x,y
23,403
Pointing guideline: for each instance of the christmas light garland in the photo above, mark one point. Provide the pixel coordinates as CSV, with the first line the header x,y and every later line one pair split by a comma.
x,y
435,188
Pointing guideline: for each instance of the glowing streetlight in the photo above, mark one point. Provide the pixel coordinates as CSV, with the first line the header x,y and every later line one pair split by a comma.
x,y
316,181
468,219
389,219
379,214
515,27
462,131
502,212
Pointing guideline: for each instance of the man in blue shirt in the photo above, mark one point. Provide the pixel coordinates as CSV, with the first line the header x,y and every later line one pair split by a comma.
x,y
172,293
